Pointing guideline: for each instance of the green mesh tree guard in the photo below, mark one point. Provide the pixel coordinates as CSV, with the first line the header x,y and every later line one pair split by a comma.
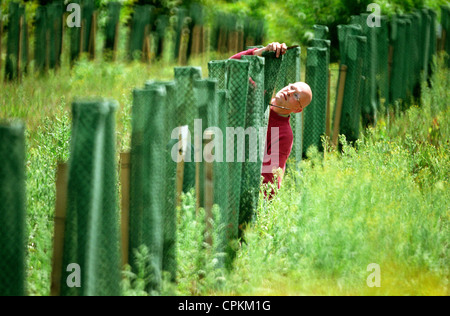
x,y
236,79
111,27
292,60
221,178
204,91
80,37
40,34
445,21
433,36
147,180
169,259
251,168
382,71
272,70
407,62
14,45
320,31
196,14
426,38
351,106
415,47
182,21
91,237
141,21
344,31
217,70
55,27
76,47
237,85
12,210
162,23
398,64
369,99
187,112
317,61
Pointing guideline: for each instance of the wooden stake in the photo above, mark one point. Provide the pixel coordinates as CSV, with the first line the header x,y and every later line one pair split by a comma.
x,y
390,60
209,191
180,174
340,98
195,48
125,203
197,187
58,237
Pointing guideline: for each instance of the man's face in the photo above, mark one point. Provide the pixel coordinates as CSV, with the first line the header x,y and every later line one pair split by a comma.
x,y
294,97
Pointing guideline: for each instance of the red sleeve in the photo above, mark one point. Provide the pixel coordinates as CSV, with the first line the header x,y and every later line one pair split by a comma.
x,y
245,52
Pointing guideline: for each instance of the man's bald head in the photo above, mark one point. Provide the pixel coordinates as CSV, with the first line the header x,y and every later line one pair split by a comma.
x,y
293,98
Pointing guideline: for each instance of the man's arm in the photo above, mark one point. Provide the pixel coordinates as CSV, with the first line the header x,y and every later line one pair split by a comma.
x,y
245,52
276,47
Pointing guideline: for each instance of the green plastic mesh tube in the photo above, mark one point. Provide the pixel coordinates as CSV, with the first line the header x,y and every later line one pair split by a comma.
x,y
237,85
314,114
221,186
204,91
351,106
147,179
16,13
113,15
320,31
235,74
187,111
54,27
251,168
169,259
445,21
12,209
91,238
40,38
398,65
382,71
140,21
216,70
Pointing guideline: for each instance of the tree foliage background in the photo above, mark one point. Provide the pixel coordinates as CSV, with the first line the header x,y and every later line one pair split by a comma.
x,y
289,21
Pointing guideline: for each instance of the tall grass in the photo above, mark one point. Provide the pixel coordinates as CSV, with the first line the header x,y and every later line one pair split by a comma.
x,y
44,104
381,201
384,201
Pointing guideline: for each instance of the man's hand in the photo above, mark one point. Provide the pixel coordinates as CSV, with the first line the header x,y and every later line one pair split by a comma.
x,y
279,49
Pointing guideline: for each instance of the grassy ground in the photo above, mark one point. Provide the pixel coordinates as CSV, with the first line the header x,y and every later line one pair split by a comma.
x,y
383,201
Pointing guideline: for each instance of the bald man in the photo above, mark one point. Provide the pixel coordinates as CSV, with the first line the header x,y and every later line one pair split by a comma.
x,y
291,99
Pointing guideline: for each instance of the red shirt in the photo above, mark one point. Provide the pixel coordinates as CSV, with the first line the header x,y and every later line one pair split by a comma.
x,y
245,52
278,141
